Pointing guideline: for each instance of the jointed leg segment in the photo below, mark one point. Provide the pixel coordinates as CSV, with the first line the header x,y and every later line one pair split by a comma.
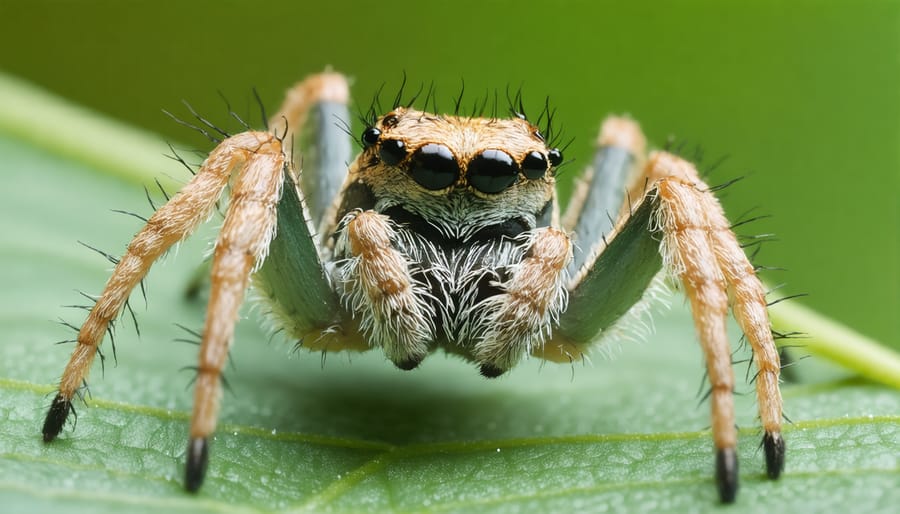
x,y
699,248
254,164
242,245
168,225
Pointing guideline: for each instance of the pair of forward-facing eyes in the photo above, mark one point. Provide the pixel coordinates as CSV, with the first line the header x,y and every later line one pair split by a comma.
x,y
434,167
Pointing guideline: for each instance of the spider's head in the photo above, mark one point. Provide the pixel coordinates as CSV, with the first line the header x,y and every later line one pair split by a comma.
x,y
416,159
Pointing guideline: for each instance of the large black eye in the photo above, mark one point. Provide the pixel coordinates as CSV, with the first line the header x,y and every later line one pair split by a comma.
x,y
370,136
534,165
492,171
434,167
392,151
555,156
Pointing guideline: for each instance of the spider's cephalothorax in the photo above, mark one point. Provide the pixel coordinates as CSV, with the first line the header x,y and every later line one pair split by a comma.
x,y
445,233
459,201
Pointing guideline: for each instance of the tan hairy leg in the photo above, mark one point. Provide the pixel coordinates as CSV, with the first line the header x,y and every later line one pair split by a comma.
x,y
171,223
241,246
701,250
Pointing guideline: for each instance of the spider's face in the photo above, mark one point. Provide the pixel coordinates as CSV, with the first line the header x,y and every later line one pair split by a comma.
x,y
412,157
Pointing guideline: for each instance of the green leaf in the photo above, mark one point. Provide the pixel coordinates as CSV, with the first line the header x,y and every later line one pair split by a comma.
x,y
302,433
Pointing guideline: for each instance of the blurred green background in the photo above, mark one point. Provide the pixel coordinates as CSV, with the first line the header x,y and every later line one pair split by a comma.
x,y
802,96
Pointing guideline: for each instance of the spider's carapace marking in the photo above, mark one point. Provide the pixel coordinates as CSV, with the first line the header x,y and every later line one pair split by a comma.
x,y
445,233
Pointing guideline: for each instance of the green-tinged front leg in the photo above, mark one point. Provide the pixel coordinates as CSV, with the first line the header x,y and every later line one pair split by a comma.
x,y
326,153
602,293
293,280
600,191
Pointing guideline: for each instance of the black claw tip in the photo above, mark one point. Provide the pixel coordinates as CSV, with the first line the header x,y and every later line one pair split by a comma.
x,y
197,459
727,474
773,444
491,371
56,417
409,364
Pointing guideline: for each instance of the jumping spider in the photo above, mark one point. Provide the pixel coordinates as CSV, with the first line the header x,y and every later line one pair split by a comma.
x,y
445,233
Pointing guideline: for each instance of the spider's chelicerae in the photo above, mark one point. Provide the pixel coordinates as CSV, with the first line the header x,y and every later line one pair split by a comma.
x,y
445,233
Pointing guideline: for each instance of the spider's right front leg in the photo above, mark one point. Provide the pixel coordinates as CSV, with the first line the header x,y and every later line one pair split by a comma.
x,y
258,157
377,286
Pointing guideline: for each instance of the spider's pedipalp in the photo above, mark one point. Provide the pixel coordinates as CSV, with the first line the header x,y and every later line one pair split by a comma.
x,y
520,320
380,289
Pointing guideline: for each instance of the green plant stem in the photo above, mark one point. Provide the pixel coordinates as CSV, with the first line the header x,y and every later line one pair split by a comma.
x,y
47,121
838,343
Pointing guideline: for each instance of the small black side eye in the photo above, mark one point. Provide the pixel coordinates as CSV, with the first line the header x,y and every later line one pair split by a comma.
x,y
392,151
534,165
390,120
370,136
555,156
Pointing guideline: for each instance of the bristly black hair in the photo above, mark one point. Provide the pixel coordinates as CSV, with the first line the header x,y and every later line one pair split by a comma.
x,y
216,133
399,96
262,111
370,115
431,95
486,105
458,103
516,106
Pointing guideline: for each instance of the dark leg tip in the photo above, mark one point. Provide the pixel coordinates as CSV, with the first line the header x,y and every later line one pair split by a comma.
x,y
197,459
773,444
409,364
727,474
56,417
490,371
